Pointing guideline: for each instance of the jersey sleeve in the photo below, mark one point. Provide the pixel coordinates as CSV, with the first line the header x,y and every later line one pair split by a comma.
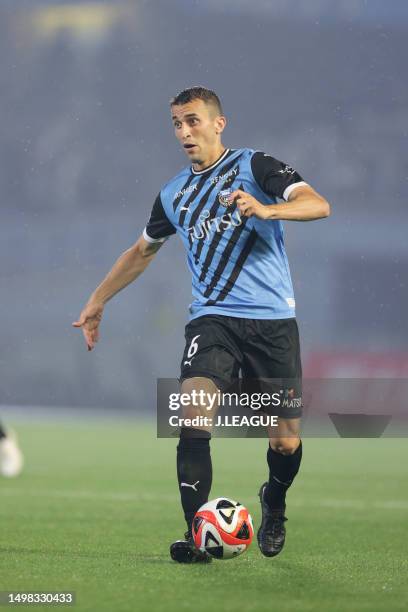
x,y
275,178
158,228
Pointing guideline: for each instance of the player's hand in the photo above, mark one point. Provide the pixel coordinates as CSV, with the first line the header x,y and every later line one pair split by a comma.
x,y
248,205
89,320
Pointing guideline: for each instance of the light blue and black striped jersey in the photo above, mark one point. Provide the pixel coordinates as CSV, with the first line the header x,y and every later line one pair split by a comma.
x,y
238,264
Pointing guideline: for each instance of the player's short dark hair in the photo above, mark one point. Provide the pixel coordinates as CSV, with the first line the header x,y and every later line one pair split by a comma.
x,y
197,93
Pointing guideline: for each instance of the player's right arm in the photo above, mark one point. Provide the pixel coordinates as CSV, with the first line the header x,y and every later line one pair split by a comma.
x,y
126,269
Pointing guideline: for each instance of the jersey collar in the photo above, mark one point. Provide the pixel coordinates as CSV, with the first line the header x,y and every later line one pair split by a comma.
x,y
219,160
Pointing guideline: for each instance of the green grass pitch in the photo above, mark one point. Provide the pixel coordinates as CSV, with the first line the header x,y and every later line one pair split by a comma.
x,y
97,507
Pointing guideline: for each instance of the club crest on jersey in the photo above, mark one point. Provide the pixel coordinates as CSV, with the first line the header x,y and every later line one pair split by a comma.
x,y
224,197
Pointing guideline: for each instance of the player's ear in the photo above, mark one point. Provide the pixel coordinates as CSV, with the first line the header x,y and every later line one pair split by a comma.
x,y
220,123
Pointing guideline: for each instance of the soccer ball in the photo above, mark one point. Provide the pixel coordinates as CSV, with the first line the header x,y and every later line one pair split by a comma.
x,y
222,528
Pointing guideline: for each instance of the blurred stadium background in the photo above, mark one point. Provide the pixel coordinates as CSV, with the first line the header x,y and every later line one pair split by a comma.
x,y
86,143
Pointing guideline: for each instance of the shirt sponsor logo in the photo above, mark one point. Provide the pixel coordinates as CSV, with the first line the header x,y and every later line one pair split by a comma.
x,y
287,170
182,192
215,179
290,401
206,227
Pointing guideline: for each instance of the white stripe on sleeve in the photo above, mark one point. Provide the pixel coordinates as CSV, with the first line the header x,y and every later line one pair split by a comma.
x,y
290,188
152,240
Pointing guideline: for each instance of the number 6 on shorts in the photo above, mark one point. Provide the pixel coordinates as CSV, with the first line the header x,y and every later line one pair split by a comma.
x,y
193,348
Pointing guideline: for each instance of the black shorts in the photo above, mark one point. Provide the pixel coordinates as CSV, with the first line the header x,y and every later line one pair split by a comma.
x,y
265,352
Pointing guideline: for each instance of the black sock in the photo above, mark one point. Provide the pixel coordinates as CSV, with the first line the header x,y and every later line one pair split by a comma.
x,y
194,470
2,432
282,471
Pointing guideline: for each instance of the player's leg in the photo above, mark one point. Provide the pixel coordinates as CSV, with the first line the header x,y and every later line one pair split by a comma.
x,y
283,456
272,358
11,457
194,467
210,362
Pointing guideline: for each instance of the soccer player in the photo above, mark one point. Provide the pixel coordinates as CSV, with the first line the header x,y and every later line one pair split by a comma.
x,y
224,207
11,457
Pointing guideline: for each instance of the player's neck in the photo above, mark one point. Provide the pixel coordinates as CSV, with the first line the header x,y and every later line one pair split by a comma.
x,y
211,159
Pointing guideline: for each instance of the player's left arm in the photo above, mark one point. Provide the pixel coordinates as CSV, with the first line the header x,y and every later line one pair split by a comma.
x,y
277,179
303,204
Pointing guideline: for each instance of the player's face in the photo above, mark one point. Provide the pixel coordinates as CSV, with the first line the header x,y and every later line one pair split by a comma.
x,y
198,129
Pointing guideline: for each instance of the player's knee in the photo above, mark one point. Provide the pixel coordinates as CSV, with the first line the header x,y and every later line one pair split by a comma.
x,y
190,412
202,394
285,446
